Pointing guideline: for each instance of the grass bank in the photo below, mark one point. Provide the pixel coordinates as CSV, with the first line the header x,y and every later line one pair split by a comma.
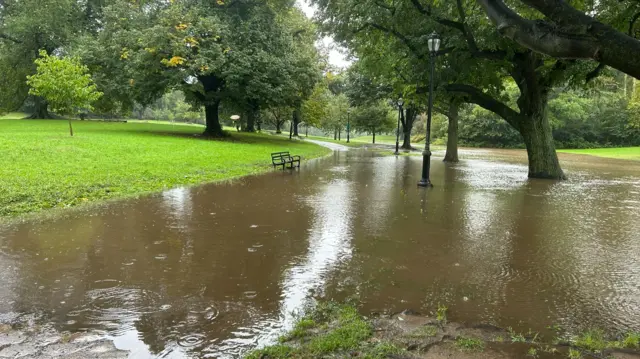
x,y
333,330
626,153
42,167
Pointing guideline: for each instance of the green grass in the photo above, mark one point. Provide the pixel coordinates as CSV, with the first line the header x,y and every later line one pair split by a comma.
x,y
43,167
469,344
330,330
13,115
627,153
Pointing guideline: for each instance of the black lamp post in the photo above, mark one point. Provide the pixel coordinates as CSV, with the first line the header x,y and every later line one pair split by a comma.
x,y
348,125
433,44
399,103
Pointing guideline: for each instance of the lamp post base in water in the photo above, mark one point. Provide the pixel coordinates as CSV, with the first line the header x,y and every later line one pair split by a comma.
x,y
426,167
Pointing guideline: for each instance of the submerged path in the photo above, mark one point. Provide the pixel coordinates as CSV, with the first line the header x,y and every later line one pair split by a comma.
x,y
215,270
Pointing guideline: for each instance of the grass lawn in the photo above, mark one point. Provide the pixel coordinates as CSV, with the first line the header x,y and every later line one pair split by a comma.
x,y
42,167
627,153
13,115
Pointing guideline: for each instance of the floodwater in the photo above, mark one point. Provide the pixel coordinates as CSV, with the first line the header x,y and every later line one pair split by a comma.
x,y
215,270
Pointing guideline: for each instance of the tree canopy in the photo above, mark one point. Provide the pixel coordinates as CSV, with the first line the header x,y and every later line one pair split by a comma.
x,y
64,83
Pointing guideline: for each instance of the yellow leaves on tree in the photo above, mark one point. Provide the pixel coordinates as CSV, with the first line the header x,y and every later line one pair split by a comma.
x,y
191,41
181,27
124,54
174,61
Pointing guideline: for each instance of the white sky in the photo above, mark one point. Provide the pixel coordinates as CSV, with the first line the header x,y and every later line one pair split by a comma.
x,y
337,56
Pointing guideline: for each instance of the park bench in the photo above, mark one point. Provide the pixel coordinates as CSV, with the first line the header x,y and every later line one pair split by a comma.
x,y
283,159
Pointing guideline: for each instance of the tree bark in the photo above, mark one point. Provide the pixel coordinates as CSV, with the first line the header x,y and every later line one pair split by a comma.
x,y
569,34
41,109
335,135
374,136
452,132
252,113
531,122
278,129
407,122
296,120
339,134
541,150
213,127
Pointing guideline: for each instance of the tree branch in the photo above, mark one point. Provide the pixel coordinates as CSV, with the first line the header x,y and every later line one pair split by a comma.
x,y
595,72
581,37
464,30
475,95
397,34
10,38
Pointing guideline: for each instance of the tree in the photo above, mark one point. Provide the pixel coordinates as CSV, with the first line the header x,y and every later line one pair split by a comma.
x,y
64,83
574,33
26,27
473,64
277,116
233,52
374,119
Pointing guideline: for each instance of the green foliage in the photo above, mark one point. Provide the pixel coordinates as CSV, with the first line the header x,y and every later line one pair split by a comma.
x,y
249,56
43,169
170,107
469,344
441,314
631,340
375,118
330,330
351,330
515,336
274,352
64,83
28,26
574,354
592,340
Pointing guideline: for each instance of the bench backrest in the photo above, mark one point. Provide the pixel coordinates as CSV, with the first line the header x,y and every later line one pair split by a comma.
x,y
279,155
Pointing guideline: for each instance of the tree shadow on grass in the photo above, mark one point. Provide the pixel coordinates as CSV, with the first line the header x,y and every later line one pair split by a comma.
x,y
231,137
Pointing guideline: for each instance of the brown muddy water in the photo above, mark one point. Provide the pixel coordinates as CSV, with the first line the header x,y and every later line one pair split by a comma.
x,y
214,271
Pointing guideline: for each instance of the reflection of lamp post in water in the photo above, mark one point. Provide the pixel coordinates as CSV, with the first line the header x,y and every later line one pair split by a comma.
x,y
433,44
399,103
348,125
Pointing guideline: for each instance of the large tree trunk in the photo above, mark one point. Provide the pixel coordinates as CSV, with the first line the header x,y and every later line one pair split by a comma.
x,y
278,125
452,133
335,135
213,127
296,120
41,109
406,140
252,114
374,137
407,126
543,159
533,123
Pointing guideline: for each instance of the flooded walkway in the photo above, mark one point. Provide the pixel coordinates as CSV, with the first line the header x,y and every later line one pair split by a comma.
x,y
214,271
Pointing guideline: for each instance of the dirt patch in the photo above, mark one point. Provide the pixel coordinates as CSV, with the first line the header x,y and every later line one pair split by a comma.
x,y
427,338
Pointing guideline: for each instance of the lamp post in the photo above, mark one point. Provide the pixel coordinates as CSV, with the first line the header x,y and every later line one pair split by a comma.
x,y
348,125
399,103
433,44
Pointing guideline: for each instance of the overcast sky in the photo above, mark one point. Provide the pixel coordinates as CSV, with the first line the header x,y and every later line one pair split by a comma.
x,y
336,57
